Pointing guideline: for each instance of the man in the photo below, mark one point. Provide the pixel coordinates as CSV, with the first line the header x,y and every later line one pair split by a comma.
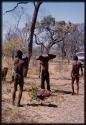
x,y
76,66
44,59
18,76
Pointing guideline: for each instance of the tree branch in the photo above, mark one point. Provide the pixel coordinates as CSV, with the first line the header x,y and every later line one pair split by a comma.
x,y
39,43
19,18
34,4
16,6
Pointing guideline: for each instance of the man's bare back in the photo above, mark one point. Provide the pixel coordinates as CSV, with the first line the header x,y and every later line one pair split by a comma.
x,y
44,64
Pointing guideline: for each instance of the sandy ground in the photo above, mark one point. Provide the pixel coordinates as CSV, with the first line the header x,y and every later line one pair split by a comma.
x,y
60,107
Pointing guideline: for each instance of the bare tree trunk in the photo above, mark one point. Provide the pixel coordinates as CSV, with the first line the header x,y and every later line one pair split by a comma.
x,y
30,40
42,49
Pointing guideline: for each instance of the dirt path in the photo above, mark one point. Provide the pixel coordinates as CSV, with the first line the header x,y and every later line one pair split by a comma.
x,y
61,107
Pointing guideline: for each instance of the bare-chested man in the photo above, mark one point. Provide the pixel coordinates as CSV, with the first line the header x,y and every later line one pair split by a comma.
x,y
44,70
76,66
18,76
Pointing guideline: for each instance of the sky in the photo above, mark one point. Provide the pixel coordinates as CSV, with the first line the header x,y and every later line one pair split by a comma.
x,y
67,11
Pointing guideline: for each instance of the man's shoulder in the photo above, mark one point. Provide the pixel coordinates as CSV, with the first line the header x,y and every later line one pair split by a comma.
x,y
79,63
73,63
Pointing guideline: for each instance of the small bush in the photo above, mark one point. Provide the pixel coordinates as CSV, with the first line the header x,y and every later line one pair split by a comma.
x,y
34,90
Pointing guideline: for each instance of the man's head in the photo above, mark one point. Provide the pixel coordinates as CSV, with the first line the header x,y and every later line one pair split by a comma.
x,y
19,54
75,58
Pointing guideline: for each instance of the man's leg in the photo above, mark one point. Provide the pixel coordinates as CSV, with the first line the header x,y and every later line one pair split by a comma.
x,y
42,81
73,79
14,93
48,82
77,82
20,92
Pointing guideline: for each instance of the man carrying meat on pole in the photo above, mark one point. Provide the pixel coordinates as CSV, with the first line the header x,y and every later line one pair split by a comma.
x,y
44,59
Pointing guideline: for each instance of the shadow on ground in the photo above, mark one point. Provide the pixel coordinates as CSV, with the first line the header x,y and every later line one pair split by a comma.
x,y
43,104
40,104
63,91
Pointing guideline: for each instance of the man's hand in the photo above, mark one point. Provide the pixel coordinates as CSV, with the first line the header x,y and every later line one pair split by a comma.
x,y
82,74
39,70
71,74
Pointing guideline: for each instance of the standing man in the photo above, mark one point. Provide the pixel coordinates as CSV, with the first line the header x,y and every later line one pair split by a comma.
x,y
44,59
18,77
76,66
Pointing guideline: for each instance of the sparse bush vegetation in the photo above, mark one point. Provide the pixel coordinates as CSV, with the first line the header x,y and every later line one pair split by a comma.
x,y
33,91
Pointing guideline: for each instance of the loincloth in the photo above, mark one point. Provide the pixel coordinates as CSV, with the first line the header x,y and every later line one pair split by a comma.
x,y
76,76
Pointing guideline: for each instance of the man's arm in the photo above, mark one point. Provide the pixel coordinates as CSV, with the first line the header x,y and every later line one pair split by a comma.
x,y
39,69
71,73
72,70
81,69
51,56
38,57
16,61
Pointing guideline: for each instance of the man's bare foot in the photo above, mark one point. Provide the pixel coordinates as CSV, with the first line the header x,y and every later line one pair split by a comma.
x,y
73,93
18,105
